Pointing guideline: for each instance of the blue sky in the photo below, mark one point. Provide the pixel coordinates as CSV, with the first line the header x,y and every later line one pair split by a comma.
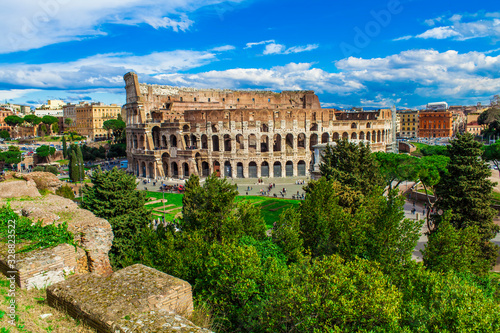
x,y
352,53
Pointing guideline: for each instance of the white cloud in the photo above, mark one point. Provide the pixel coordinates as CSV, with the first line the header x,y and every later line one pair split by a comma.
x,y
28,24
250,45
14,93
274,48
461,27
403,78
223,48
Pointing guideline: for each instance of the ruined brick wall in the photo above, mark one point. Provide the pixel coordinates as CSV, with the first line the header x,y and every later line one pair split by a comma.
x,y
41,268
175,132
93,236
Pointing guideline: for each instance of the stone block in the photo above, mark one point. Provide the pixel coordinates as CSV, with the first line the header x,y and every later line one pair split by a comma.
x,y
134,299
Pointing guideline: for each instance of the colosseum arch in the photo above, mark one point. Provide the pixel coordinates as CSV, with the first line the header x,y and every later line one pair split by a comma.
x,y
301,141
264,169
264,128
175,170
335,136
314,127
345,135
289,168
194,141
205,169
239,170
134,141
354,126
252,170
368,125
215,128
204,141
151,170
185,170
313,141
289,141
277,142
361,135
186,140
165,159
368,136
164,142
354,136
374,136
141,142
301,168
215,143
227,142
155,132
277,169
264,143
325,137
185,128
378,136
173,141
143,169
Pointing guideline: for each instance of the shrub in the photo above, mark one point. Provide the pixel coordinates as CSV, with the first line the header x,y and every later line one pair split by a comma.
x,y
66,192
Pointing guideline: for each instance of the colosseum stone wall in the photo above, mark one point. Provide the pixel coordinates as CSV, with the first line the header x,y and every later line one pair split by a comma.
x,y
175,132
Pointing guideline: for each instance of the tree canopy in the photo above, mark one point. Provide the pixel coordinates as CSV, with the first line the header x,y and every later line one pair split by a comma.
x,y
32,119
13,121
44,151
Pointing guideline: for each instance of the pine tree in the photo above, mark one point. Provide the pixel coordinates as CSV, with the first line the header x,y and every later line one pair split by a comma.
x,y
464,192
65,147
74,170
68,156
81,168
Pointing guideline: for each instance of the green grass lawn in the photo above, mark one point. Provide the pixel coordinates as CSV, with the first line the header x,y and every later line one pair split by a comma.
x,y
419,146
270,208
495,197
62,161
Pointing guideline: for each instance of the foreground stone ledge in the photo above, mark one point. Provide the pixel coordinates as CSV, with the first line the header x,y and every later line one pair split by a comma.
x,y
134,299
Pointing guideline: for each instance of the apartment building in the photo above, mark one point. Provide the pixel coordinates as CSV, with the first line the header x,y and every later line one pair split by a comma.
x,y
408,123
90,118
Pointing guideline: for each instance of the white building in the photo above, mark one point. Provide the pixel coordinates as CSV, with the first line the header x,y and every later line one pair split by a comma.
x,y
48,112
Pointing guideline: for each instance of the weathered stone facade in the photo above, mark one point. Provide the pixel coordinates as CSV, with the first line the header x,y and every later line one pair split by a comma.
x,y
174,132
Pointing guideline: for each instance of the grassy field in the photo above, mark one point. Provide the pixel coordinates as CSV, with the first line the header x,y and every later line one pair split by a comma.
x,y
30,305
270,208
419,146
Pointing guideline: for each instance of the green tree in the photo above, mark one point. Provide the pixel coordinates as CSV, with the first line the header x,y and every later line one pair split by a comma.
x,y
68,121
465,191
397,168
332,295
74,174
492,154
11,156
81,166
13,121
286,234
65,147
4,135
32,119
113,196
55,128
116,125
45,151
48,121
457,250
337,220
47,168
352,165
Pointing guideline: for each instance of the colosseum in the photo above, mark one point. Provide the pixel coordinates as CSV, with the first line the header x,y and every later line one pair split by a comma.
x,y
175,132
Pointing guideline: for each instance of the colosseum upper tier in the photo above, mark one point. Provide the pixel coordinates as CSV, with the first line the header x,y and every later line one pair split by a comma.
x,y
175,132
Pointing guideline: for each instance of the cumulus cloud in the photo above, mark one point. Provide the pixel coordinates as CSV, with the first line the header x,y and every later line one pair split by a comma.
x,y
274,48
407,78
28,24
461,27
14,93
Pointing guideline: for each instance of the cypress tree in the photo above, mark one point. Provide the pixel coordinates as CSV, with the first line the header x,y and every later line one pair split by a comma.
x,y
65,148
464,192
74,170
81,168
